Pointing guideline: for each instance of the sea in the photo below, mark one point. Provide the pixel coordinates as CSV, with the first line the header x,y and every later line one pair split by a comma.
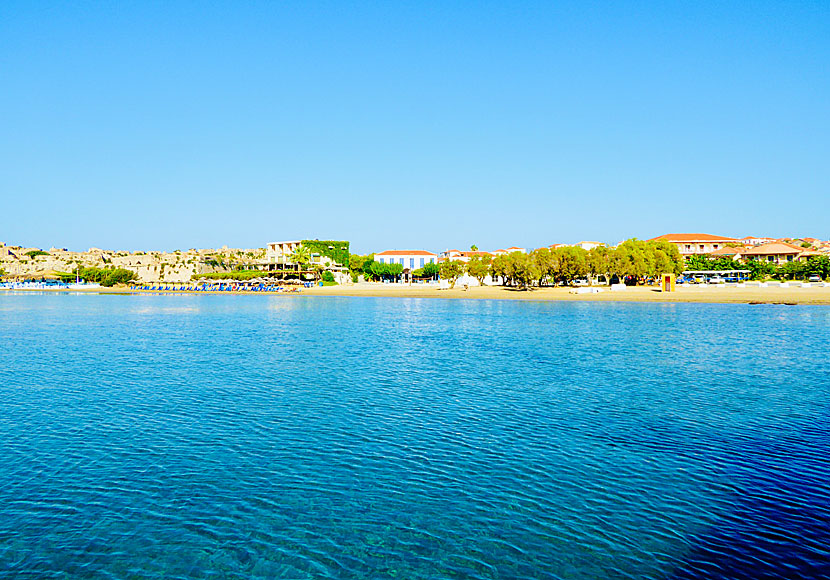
x,y
189,436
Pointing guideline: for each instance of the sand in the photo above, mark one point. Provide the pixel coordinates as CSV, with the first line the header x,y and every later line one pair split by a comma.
x,y
721,294
718,294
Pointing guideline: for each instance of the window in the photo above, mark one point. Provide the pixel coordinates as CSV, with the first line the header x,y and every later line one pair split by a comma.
x,y
789,258
401,261
381,260
432,260
770,258
715,246
422,262
688,247
411,263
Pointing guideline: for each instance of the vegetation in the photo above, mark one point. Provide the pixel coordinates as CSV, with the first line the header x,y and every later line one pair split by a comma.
x,y
337,250
103,276
361,266
328,277
36,253
451,271
301,256
478,267
634,260
385,271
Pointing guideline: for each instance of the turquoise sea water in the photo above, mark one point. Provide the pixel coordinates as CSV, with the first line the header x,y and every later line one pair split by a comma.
x,y
298,437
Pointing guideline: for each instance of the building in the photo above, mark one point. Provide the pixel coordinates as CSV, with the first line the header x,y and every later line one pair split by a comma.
x,y
409,259
460,256
779,253
278,254
510,250
691,244
756,241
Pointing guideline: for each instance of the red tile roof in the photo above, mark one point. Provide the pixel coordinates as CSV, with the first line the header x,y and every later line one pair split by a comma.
x,y
775,248
692,238
405,253
727,251
476,253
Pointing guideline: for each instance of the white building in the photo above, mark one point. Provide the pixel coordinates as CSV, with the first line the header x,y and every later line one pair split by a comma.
x,y
510,250
409,259
279,253
691,244
460,256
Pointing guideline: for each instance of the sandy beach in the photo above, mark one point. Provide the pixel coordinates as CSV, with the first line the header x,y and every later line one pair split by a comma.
x,y
701,294
714,294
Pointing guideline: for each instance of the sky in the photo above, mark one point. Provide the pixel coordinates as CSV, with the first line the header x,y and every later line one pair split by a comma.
x,y
411,125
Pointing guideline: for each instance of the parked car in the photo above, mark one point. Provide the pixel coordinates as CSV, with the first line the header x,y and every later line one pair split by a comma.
x,y
581,282
716,280
814,278
699,279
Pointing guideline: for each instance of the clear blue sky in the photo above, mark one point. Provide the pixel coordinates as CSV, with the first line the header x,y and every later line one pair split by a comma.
x,y
155,125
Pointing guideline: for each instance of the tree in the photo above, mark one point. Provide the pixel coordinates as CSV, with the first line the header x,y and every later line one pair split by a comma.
x,y
640,260
522,269
547,264
760,269
479,267
360,266
383,271
451,271
672,261
474,248
499,268
599,263
301,256
431,269
573,263
819,266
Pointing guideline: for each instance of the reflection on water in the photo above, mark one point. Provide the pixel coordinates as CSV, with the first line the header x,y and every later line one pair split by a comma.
x,y
299,437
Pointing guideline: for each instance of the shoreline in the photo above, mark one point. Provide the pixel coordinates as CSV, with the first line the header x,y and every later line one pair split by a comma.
x,y
693,294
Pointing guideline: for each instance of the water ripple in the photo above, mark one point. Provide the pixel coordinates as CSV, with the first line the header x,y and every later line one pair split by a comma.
x,y
253,437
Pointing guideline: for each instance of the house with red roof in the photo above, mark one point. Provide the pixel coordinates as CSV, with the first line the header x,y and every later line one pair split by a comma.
x,y
779,253
409,259
691,244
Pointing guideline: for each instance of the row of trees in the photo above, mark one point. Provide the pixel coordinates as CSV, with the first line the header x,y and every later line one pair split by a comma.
x,y
634,261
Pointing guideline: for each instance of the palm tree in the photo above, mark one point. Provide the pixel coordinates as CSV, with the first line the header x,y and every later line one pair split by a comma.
x,y
301,256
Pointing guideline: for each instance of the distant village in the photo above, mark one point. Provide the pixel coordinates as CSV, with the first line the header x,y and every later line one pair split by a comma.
x,y
310,258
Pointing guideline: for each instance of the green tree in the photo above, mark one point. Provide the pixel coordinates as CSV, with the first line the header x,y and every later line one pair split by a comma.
x,y
640,260
573,263
547,264
301,256
451,271
499,268
522,269
599,263
431,269
819,266
479,267
474,248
